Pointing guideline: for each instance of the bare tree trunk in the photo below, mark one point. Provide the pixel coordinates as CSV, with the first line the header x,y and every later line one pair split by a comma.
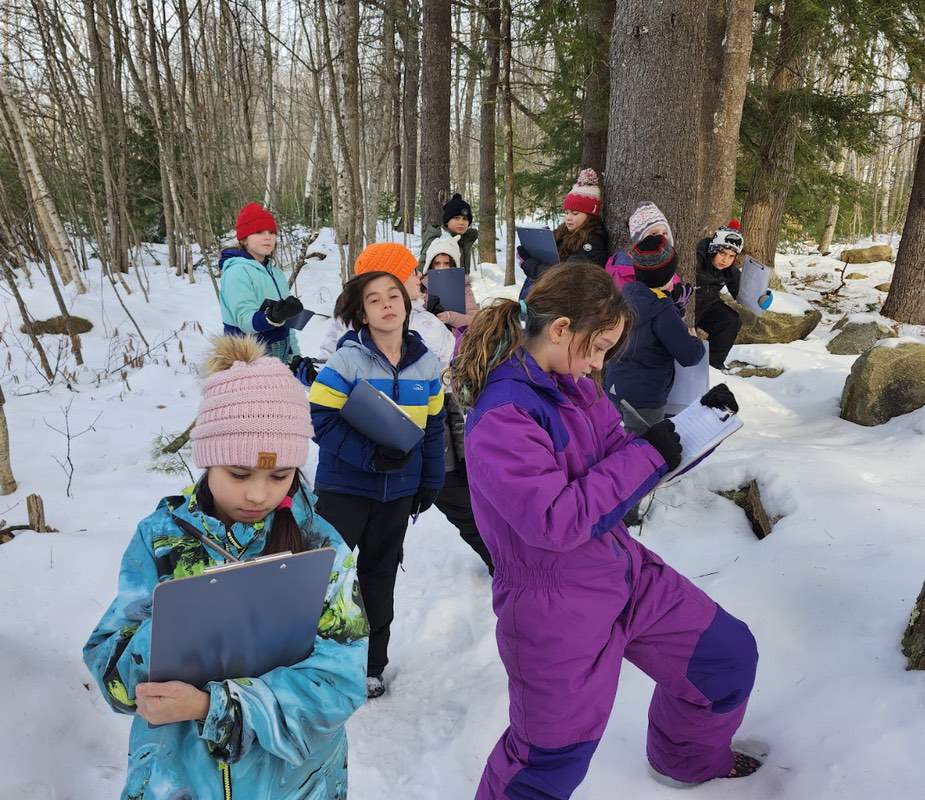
x,y
463,181
7,481
412,63
906,300
509,221
642,160
436,49
596,24
489,86
825,245
724,141
770,183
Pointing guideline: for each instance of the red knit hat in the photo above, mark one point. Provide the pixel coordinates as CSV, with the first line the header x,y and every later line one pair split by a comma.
x,y
386,257
253,218
585,195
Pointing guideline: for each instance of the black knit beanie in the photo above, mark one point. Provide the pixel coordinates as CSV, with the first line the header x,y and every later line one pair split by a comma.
x,y
456,207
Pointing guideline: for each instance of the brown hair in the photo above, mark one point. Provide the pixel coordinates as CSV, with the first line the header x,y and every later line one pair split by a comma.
x,y
349,306
285,535
581,291
570,242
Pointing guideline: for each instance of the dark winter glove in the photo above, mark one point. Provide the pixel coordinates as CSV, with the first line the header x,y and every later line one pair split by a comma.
x,y
433,304
720,396
423,500
387,459
681,294
766,299
280,311
304,369
664,438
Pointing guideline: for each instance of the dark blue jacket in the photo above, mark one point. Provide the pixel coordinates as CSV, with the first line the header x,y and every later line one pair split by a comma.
x,y
644,374
345,463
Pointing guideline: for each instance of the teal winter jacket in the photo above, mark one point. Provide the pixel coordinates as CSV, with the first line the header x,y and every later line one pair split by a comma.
x,y
279,735
244,287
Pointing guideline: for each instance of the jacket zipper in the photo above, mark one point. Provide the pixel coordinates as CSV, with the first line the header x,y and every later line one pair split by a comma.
x,y
225,772
275,284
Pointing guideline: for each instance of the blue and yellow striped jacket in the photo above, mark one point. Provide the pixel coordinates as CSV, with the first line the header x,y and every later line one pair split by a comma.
x,y
345,465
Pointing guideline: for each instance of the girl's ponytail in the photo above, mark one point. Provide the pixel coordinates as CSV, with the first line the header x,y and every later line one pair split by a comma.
x,y
581,292
492,338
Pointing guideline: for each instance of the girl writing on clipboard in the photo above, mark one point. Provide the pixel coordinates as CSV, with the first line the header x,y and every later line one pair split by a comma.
x,y
574,593
278,735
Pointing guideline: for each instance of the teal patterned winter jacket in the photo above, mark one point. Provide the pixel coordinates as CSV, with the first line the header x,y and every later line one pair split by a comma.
x,y
279,735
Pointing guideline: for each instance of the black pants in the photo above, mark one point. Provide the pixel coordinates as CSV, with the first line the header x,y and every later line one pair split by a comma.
x,y
456,504
722,324
379,531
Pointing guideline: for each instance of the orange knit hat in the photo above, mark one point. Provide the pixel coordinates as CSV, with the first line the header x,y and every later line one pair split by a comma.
x,y
387,257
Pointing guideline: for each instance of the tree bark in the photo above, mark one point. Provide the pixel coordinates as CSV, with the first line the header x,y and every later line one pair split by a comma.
x,y
411,89
825,243
596,23
508,147
767,194
724,141
906,300
643,155
489,86
436,48
7,481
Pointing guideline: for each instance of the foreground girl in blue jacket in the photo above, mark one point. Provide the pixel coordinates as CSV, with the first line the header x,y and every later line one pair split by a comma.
x,y
279,735
368,491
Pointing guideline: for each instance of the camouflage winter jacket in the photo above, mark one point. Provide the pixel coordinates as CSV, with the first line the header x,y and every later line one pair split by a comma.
x,y
278,735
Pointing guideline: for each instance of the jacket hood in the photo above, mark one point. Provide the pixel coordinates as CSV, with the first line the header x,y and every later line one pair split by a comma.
x,y
414,347
236,252
522,368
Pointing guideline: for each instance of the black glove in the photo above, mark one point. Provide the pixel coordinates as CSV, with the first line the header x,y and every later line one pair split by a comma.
x,y
433,304
522,252
304,369
664,438
279,311
423,500
681,294
720,396
387,459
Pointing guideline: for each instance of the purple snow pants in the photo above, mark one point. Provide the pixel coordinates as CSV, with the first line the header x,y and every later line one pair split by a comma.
x,y
562,635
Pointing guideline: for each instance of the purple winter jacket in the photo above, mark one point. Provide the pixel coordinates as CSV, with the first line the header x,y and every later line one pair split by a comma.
x,y
552,472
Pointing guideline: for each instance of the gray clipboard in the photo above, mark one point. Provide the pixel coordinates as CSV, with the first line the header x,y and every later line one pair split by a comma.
x,y
540,243
379,418
756,278
239,620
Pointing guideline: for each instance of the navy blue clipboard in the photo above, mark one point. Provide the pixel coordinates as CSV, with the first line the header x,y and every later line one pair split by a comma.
x,y
540,244
450,286
379,418
239,620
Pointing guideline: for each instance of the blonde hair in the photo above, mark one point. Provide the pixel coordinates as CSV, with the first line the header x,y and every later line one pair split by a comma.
x,y
581,291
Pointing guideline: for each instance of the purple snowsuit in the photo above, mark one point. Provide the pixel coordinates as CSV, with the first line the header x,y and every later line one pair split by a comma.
x,y
552,473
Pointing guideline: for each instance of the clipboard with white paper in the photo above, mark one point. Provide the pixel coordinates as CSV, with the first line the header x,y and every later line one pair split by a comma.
x,y
701,430
239,620
756,278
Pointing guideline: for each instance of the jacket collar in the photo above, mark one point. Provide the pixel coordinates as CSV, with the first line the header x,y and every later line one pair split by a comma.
x,y
413,348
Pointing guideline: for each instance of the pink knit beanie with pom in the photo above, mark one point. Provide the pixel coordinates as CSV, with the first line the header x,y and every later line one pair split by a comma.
x,y
254,413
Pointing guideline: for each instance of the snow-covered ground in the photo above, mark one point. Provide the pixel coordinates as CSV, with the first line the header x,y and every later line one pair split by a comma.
x,y
827,594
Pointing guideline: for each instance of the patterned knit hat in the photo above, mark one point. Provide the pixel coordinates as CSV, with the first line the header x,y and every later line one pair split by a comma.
x,y
253,218
654,261
456,207
253,413
727,237
585,195
646,216
390,257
